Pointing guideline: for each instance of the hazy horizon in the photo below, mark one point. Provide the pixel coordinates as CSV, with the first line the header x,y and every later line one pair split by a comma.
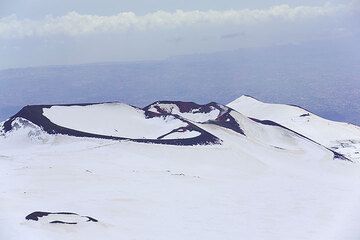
x,y
38,33
319,76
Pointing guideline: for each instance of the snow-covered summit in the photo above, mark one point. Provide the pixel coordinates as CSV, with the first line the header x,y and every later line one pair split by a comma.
x,y
341,137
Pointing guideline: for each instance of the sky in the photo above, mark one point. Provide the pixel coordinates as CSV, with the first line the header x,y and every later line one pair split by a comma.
x,y
43,32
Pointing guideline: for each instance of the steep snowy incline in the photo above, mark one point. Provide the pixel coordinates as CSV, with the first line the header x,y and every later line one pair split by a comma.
x,y
341,137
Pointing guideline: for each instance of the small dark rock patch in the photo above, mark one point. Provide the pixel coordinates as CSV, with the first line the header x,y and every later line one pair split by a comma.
x,y
61,222
35,216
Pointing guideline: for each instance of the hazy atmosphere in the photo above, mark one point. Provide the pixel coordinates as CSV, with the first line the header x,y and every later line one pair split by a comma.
x,y
39,32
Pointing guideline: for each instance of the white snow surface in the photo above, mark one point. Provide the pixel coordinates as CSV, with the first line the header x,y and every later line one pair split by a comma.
x,y
182,135
268,185
341,137
68,218
113,119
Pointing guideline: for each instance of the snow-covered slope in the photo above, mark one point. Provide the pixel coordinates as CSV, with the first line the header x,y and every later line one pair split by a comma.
x,y
111,121
262,132
341,137
119,120
66,174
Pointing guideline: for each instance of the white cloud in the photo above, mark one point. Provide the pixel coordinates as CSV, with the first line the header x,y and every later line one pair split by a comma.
x,y
73,23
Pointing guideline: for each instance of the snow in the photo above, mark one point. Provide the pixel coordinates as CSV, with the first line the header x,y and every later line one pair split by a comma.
x,y
112,119
273,136
268,184
183,134
341,137
147,191
67,218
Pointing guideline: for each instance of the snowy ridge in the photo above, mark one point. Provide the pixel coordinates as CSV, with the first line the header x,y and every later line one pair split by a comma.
x,y
343,138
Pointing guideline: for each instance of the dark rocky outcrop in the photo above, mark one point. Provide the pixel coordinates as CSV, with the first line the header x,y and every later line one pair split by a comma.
x,y
35,216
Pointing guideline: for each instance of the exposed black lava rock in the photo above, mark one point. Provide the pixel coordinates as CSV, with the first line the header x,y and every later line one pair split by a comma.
x,y
227,121
35,216
224,118
184,107
61,222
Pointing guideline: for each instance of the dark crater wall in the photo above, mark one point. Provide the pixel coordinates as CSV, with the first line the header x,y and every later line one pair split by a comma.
x,y
34,114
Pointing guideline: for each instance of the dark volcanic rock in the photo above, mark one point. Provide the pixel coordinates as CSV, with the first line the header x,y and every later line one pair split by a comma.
x,y
35,216
224,118
184,107
61,222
